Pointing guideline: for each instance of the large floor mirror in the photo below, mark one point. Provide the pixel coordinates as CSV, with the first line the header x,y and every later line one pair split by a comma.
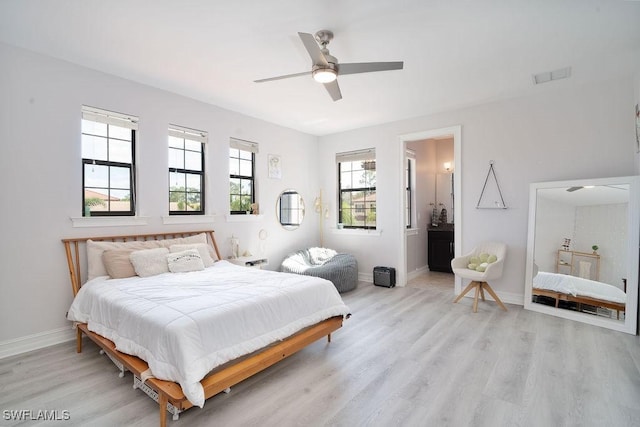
x,y
582,251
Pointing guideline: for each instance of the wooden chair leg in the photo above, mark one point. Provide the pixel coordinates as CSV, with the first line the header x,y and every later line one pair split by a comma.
x,y
481,292
493,294
466,291
475,299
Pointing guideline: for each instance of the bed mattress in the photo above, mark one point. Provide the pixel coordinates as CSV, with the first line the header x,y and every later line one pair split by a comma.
x,y
186,324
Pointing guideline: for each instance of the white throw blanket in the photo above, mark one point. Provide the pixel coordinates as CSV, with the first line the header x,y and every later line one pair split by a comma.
x,y
186,324
575,286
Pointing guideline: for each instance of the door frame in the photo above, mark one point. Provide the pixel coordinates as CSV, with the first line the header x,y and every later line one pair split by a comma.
x,y
456,132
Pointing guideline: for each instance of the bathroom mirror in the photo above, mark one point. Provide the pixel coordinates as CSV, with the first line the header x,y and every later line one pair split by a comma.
x,y
582,251
290,209
444,194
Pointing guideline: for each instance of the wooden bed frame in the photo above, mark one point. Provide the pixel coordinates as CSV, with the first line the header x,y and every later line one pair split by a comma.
x,y
170,393
559,296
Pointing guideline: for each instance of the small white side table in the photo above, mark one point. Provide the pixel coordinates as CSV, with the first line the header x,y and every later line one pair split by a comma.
x,y
250,261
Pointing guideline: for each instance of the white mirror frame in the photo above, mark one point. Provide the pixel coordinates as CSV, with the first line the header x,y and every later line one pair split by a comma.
x,y
631,314
290,227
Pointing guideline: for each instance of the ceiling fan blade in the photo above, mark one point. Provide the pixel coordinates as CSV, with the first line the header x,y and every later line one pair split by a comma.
x,y
368,67
314,50
334,90
616,187
286,76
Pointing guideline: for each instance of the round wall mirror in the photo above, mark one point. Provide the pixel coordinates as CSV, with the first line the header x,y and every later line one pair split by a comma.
x,y
290,209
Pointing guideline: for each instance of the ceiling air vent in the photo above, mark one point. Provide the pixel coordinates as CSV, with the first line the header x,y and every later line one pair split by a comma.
x,y
548,76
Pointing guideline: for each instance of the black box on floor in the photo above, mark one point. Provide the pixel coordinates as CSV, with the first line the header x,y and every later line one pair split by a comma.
x,y
384,276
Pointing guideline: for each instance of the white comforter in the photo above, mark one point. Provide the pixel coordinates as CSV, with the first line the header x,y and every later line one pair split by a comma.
x,y
185,324
575,286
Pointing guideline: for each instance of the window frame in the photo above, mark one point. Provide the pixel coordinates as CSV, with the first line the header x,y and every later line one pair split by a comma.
x,y
110,118
248,147
410,192
195,136
367,155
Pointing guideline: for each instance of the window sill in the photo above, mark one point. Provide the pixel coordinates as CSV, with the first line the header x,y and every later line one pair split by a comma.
x,y
412,231
244,218
108,221
188,219
356,232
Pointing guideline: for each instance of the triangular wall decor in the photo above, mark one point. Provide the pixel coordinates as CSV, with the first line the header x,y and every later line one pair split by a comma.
x,y
491,195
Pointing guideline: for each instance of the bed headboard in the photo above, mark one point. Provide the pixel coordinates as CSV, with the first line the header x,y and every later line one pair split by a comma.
x,y
73,249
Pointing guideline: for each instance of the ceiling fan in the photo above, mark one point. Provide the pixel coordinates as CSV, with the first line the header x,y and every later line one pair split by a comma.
x,y
325,67
572,189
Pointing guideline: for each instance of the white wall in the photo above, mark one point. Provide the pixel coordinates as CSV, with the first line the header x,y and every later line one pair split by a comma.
x,y
40,168
569,133
554,222
607,227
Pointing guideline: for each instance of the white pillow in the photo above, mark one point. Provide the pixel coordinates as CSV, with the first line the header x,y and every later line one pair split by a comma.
x,y
203,250
190,240
182,262
96,267
95,263
150,262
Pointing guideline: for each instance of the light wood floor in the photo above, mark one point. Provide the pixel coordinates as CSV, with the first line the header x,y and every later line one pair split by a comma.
x,y
407,357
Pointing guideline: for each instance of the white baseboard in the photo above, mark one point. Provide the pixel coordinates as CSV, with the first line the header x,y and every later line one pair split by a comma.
x,y
511,298
36,341
415,273
365,277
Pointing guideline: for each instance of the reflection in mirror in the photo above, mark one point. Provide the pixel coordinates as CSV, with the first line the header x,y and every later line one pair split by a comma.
x,y
290,209
582,256
444,197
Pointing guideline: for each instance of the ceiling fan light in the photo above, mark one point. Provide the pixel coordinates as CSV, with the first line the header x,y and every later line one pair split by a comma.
x,y
324,75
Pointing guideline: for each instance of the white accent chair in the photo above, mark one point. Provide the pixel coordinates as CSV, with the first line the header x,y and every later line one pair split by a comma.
x,y
479,280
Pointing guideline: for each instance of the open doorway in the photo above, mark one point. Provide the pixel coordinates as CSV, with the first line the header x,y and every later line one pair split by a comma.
x,y
431,184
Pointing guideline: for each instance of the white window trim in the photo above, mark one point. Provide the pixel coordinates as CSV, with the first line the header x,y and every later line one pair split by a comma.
x,y
244,218
411,156
109,117
108,221
126,121
357,231
252,147
202,137
188,219
187,133
366,154
241,144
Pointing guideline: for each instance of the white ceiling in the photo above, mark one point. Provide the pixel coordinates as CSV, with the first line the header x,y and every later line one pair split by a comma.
x,y
587,196
456,53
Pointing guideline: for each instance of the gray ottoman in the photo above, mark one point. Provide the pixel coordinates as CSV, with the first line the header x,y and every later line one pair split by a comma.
x,y
340,269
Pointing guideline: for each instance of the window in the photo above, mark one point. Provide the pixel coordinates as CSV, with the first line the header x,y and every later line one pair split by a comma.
x,y
108,163
186,171
242,192
357,189
409,198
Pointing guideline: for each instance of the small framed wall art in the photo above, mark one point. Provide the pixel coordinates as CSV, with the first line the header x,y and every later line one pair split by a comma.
x,y
275,166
